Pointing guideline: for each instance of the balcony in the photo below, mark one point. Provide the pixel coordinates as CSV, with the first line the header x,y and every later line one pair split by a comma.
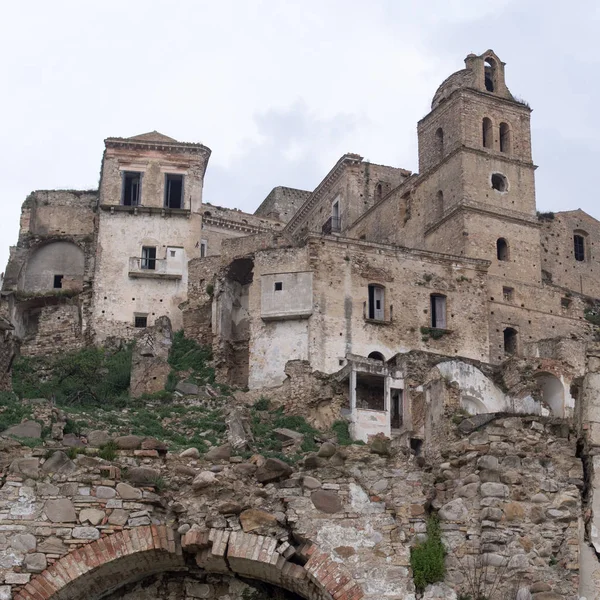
x,y
157,268
332,225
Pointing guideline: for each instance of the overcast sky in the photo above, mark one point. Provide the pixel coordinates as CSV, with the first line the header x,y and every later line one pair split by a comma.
x,y
280,89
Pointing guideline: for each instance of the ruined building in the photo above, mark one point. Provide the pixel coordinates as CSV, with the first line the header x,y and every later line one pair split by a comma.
x,y
386,297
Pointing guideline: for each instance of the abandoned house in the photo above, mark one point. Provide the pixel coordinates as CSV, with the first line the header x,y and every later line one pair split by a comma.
x,y
388,282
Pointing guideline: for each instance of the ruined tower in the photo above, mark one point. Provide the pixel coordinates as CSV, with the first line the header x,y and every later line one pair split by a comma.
x,y
475,151
150,224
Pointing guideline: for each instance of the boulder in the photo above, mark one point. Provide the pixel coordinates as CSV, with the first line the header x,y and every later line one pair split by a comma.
x,y
288,435
187,389
312,461
310,483
53,545
26,429
190,453
129,442
327,450
92,516
86,533
98,438
118,517
27,467
23,542
35,562
257,520
380,444
60,510
128,492
203,480
154,444
273,470
326,501
219,453
495,490
105,492
230,507
455,510
72,440
59,462
142,475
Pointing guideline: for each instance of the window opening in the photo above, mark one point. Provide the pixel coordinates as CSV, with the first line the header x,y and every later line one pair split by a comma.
x,y
378,192
488,136
376,356
579,247
438,311
565,302
132,186
439,143
278,286
148,258
510,340
173,191
203,248
490,74
508,293
376,306
141,321
499,182
335,216
502,249
397,408
370,392
504,138
173,253
58,281
439,204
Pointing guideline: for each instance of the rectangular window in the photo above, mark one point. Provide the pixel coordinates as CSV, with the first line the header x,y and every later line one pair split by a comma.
x,y
278,286
438,311
58,281
508,293
148,258
579,247
203,248
132,187
173,191
141,321
376,303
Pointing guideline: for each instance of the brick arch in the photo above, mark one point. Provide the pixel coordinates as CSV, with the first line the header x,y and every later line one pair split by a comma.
x,y
113,561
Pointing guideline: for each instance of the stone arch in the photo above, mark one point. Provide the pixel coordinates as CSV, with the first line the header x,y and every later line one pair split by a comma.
x,y
105,565
57,258
473,405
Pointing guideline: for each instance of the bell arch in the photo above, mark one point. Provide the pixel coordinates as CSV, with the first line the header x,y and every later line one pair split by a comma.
x,y
103,566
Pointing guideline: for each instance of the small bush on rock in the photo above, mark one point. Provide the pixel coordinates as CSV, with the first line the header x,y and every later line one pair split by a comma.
x,y
427,558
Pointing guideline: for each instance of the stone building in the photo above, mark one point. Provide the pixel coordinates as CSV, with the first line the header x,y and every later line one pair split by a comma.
x,y
374,264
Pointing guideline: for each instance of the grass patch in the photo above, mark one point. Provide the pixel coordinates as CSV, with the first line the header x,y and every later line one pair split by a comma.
x,y
427,558
342,432
12,411
108,451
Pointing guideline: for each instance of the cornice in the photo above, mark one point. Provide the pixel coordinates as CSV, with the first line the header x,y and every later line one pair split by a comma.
x,y
223,223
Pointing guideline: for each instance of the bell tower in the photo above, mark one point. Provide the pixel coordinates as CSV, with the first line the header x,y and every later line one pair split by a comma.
x,y
477,171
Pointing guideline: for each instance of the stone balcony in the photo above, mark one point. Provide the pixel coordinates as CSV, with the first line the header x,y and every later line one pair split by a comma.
x,y
154,268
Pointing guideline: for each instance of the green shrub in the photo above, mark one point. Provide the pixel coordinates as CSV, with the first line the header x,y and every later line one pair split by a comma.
x,y
427,559
189,356
342,432
90,376
12,410
262,404
108,451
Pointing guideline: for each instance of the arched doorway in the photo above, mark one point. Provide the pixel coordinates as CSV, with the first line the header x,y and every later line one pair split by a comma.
x,y
101,568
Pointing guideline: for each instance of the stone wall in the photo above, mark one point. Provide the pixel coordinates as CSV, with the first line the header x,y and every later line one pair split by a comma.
x,y
507,493
282,203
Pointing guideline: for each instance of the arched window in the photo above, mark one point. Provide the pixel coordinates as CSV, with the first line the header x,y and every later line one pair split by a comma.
x,y
490,74
439,143
376,356
579,246
376,302
502,249
378,192
439,204
438,311
510,340
499,182
488,134
505,141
